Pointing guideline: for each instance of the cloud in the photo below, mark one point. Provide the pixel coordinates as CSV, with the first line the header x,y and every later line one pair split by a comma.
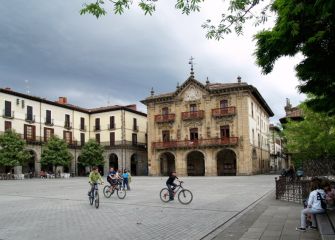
x,y
117,59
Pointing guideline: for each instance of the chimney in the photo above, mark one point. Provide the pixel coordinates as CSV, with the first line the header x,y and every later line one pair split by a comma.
x,y
62,100
239,79
132,107
8,89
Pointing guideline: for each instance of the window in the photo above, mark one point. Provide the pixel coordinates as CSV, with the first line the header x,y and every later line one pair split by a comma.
x,y
166,135
193,107
67,136
29,132
67,121
29,116
48,117
253,136
82,123
82,139
194,134
8,125
252,109
97,137
134,124
165,111
259,140
223,103
8,109
97,124
134,139
48,133
224,131
22,103
112,138
111,122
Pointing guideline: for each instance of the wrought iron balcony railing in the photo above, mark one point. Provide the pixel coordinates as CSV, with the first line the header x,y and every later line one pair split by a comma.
x,y
164,118
193,115
222,112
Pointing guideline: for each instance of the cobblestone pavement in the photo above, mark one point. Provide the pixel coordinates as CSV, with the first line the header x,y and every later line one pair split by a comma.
x,y
59,209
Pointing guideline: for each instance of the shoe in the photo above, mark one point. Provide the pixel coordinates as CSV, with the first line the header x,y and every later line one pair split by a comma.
x,y
312,228
171,199
300,229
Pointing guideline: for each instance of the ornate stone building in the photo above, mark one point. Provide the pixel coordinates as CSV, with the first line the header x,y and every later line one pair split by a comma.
x,y
208,129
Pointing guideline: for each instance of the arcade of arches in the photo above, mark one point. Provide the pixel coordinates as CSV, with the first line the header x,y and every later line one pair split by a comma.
x,y
167,163
226,163
195,164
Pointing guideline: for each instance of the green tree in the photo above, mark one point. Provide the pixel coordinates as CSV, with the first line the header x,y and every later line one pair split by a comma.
x,y
312,138
12,149
56,153
92,154
306,27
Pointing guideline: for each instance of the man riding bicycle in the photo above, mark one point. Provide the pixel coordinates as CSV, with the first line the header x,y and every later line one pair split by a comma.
x,y
171,185
94,178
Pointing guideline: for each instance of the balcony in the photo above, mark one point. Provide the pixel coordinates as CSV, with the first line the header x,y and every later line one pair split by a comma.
x,y
194,115
82,128
68,125
124,144
8,114
165,118
223,112
30,118
49,122
135,128
111,126
200,143
97,128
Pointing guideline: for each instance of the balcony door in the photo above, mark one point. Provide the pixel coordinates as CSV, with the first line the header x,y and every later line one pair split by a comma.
x,y
193,108
29,113
224,131
165,111
194,134
223,103
29,132
8,109
166,136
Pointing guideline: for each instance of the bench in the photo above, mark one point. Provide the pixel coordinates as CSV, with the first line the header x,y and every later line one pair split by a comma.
x,y
326,225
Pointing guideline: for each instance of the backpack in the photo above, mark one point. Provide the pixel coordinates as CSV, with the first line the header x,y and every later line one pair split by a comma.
x,y
323,201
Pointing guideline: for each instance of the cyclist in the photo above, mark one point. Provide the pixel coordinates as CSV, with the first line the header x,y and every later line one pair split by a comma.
x,y
94,178
171,185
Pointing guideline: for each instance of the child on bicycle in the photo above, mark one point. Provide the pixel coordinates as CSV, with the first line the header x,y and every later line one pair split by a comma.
x,y
94,178
171,185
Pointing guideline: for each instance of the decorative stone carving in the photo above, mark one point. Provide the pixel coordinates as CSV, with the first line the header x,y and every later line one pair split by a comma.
x,y
192,94
193,123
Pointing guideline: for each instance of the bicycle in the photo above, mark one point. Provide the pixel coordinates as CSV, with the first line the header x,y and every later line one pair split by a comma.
x,y
120,191
94,196
185,196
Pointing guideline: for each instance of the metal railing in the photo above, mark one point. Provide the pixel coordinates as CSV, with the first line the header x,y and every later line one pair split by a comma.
x,y
8,114
30,118
193,115
222,112
111,126
292,190
68,125
163,118
97,128
199,143
49,122
82,128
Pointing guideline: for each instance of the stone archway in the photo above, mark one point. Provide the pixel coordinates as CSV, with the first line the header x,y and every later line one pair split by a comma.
x,y
226,163
167,162
195,164
113,161
134,165
81,168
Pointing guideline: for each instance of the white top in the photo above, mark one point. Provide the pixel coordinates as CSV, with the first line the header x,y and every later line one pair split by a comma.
x,y
313,201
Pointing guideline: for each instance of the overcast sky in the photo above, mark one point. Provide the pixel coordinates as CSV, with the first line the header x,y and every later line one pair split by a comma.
x,y
47,48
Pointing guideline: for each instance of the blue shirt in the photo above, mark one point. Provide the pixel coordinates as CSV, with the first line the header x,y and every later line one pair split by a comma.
x,y
125,175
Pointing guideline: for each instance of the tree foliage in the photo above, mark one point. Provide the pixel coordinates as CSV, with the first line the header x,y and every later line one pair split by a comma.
x,y
12,149
92,154
306,27
56,153
312,138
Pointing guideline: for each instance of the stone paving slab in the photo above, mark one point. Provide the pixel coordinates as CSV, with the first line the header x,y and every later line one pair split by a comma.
x,y
59,209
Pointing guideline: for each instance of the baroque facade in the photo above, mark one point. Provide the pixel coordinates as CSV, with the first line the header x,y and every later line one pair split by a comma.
x,y
208,130
120,129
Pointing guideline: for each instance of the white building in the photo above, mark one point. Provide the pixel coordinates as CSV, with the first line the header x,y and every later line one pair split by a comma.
x,y
277,157
120,129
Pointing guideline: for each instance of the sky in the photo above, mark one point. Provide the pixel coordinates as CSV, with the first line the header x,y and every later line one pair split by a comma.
x,y
48,49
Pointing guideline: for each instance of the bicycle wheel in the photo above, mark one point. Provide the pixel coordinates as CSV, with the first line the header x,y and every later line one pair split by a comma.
x,y
91,198
121,193
106,192
185,196
96,202
164,195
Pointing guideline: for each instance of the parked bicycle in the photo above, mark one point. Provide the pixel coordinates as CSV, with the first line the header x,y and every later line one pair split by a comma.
x,y
120,191
185,196
94,196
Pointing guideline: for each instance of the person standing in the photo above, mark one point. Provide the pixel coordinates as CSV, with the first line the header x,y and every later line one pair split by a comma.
x,y
125,177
